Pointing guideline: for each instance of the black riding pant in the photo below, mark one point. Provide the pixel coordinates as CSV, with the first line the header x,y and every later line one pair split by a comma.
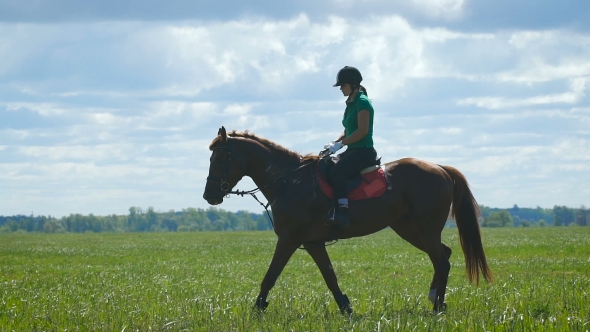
x,y
351,162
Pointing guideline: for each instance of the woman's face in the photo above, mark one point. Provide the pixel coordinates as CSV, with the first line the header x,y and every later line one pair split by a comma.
x,y
346,89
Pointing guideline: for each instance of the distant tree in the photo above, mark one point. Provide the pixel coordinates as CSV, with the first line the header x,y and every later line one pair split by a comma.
x,y
48,227
195,218
245,220
582,216
13,225
169,224
167,221
94,223
563,215
39,223
137,220
151,219
132,217
516,220
514,210
531,214
499,219
213,214
263,222
78,223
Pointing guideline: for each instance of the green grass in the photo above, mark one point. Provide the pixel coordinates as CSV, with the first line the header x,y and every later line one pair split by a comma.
x,y
209,281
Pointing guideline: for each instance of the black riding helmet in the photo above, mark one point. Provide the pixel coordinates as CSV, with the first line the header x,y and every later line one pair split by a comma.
x,y
348,75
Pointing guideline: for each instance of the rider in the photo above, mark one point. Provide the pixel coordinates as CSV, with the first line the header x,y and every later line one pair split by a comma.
x,y
357,135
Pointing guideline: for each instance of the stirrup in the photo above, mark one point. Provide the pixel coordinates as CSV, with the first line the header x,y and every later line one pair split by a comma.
x,y
332,219
331,215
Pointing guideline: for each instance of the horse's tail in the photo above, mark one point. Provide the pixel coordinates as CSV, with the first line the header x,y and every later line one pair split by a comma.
x,y
465,210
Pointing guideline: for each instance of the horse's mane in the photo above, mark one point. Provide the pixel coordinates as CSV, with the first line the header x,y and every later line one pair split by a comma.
x,y
267,143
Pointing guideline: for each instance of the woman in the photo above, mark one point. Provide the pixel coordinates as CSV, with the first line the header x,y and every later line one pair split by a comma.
x,y
357,136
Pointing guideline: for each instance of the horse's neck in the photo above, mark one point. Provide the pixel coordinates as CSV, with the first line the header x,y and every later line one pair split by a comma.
x,y
267,164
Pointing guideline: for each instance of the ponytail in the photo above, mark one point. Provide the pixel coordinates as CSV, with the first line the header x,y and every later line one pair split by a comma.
x,y
359,87
362,88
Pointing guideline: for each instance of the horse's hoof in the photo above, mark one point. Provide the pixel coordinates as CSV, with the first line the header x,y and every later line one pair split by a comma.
x,y
261,304
346,311
441,308
344,305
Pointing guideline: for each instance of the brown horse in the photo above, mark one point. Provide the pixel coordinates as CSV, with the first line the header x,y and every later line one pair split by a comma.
x,y
416,208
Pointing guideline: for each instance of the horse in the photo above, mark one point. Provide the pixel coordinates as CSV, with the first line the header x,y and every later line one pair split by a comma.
x,y
422,196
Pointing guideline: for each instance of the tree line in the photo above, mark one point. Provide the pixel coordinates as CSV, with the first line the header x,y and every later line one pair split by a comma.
x,y
530,217
213,219
139,220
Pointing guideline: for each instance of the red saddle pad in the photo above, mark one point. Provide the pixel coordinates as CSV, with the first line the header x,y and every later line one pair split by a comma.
x,y
373,185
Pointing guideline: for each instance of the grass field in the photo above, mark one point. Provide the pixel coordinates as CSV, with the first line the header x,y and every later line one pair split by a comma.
x,y
208,282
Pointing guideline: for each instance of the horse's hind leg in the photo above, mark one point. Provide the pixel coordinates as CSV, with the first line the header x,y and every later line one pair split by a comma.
x,y
433,285
406,229
442,267
318,252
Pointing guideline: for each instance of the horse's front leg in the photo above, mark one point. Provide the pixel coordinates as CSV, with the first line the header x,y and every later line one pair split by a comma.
x,y
318,252
283,252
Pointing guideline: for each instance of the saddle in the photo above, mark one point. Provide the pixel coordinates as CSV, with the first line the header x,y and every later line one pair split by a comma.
x,y
370,182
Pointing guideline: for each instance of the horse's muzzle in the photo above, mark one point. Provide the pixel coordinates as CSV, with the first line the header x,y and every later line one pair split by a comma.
x,y
213,199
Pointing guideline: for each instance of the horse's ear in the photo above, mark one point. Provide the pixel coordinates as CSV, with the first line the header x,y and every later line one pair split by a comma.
x,y
223,134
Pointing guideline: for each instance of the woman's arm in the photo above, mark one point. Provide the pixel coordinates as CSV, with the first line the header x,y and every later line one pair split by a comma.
x,y
363,118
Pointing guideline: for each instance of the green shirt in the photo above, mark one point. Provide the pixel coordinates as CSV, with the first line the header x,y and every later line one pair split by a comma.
x,y
350,120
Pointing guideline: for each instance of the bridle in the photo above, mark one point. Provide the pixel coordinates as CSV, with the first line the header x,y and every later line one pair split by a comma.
x,y
225,187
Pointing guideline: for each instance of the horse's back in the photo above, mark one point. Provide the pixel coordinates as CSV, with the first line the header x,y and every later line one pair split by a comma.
x,y
422,184
416,167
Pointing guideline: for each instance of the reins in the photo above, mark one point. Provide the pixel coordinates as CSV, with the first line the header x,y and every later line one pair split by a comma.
x,y
265,206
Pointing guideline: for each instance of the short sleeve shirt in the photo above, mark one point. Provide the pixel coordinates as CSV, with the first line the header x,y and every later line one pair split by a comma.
x,y
350,120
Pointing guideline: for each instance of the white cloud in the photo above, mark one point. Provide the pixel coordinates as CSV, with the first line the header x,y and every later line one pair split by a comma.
x,y
43,109
442,9
14,134
572,149
259,45
578,87
538,70
451,131
442,35
253,122
186,59
82,152
237,109
450,9
324,35
104,118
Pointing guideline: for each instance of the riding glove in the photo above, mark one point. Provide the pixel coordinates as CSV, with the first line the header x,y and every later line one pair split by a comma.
x,y
333,147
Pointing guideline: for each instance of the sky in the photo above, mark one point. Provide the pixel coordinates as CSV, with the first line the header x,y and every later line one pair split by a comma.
x,y
110,104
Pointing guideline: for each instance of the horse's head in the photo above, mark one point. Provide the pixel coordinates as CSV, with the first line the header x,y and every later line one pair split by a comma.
x,y
224,171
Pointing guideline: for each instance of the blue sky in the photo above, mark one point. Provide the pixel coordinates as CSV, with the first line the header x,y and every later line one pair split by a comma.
x,y
111,104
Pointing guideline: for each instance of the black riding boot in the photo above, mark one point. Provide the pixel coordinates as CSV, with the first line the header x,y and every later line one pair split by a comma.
x,y
341,216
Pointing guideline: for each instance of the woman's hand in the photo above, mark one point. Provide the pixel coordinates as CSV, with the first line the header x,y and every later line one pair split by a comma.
x,y
332,147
